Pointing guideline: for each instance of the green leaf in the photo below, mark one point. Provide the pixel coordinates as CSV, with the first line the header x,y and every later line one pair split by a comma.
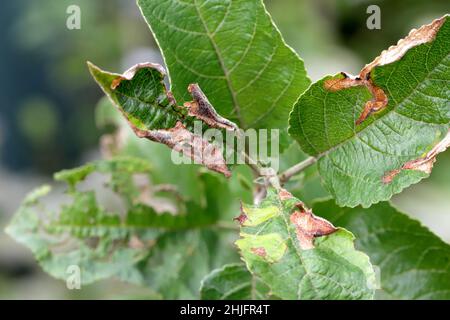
x,y
96,262
151,111
235,52
414,263
180,260
233,282
130,236
141,94
380,132
300,256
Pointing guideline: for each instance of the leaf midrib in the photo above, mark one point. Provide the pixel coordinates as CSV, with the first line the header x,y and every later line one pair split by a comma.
x,y
130,227
236,107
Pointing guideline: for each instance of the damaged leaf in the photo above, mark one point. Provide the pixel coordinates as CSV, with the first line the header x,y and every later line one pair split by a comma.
x,y
413,262
123,236
236,54
379,99
425,163
152,112
233,282
377,133
301,256
308,226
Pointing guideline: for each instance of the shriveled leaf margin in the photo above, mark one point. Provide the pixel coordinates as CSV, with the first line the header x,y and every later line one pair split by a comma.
x,y
371,133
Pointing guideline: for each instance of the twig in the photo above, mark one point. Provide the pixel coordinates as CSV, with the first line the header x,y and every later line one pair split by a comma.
x,y
269,175
252,164
299,167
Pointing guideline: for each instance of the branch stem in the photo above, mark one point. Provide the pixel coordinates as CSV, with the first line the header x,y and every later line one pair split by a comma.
x,y
296,169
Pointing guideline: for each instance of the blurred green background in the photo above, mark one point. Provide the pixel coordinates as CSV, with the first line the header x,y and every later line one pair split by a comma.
x,y
47,99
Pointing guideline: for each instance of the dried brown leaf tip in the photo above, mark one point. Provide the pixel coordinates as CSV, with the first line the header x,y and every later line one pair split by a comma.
x,y
193,146
242,217
379,101
424,164
308,226
202,109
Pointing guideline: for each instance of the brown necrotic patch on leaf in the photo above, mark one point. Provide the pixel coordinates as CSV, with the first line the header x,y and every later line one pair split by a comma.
x,y
284,194
259,251
308,226
424,164
111,144
202,109
193,146
424,34
242,217
347,81
389,176
377,103
148,196
136,243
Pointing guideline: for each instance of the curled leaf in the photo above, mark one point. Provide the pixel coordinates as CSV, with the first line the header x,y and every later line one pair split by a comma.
x,y
202,109
152,112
